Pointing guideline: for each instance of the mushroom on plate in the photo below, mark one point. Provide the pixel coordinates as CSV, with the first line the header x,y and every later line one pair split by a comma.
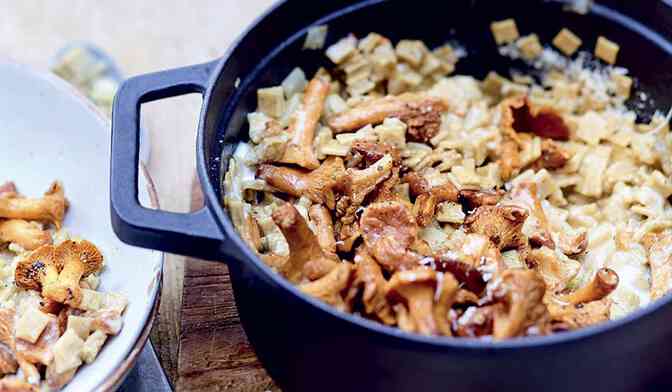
x,y
49,208
79,259
28,235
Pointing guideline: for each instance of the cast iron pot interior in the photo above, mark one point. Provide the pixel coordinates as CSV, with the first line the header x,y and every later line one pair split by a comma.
x,y
306,345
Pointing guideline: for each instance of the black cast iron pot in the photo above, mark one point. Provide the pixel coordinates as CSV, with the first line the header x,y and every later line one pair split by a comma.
x,y
308,346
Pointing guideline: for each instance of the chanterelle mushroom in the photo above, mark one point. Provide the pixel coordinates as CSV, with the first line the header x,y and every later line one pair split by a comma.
x,y
501,224
364,153
370,281
304,247
537,227
79,259
50,208
389,230
415,289
38,269
28,235
421,113
330,287
602,284
553,156
472,199
427,198
519,115
521,293
448,289
302,126
317,185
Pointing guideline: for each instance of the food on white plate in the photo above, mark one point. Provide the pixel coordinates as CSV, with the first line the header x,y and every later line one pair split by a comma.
x,y
445,205
53,318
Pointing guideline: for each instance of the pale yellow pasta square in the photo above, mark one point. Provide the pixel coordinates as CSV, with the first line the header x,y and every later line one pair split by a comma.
x,y
271,101
411,51
530,47
606,50
504,31
567,42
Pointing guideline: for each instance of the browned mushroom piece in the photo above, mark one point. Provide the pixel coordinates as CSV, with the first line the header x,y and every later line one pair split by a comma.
x,y
28,235
16,384
369,280
472,199
518,114
465,296
331,287
509,158
553,156
79,260
361,183
468,276
346,235
365,181
603,283
573,245
481,253
427,198
660,260
448,289
317,185
524,195
421,113
42,350
8,363
303,244
555,272
521,292
324,225
385,191
582,315
37,269
49,208
365,153
415,289
302,124
476,321
502,224
417,184
389,230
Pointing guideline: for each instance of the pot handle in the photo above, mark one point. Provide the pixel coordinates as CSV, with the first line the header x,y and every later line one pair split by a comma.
x,y
194,234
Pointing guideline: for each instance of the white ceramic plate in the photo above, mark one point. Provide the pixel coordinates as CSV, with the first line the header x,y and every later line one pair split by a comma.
x,y
48,132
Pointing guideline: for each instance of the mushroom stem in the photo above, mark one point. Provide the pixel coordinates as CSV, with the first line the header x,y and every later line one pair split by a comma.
x,y
50,208
28,235
604,282
303,123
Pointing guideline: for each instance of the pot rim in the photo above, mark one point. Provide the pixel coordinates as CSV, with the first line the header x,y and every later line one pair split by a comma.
x,y
467,344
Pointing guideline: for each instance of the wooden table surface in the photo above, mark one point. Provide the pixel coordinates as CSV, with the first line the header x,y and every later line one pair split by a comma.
x,y
145,36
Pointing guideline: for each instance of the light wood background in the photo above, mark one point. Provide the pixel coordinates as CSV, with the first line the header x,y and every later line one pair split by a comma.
x,y
142,36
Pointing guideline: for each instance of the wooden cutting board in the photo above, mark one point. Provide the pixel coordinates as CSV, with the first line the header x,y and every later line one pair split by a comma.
x,y
214,354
